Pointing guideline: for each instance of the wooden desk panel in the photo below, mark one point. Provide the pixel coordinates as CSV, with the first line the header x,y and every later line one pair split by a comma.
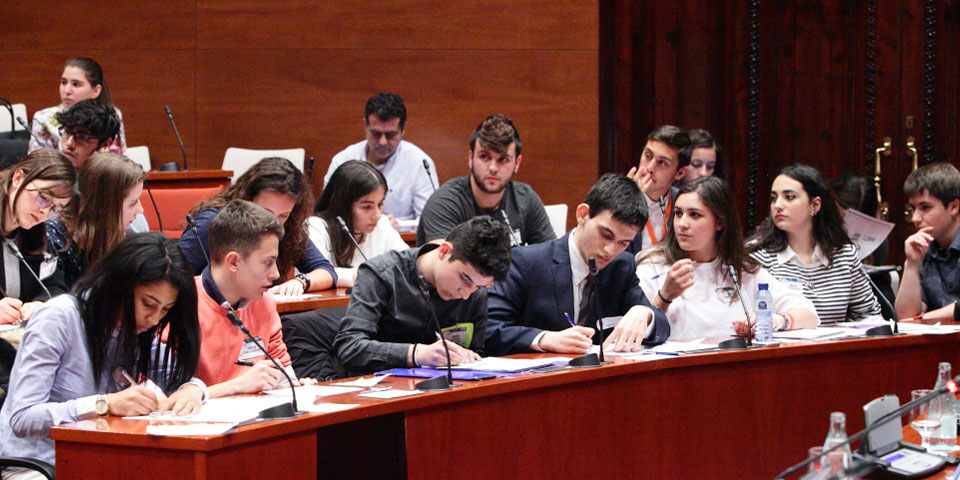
x,y
190,179
707,416
335,297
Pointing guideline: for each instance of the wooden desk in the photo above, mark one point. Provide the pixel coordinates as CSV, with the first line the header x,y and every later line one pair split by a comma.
x,y
190,179
410,238
335,297
746,414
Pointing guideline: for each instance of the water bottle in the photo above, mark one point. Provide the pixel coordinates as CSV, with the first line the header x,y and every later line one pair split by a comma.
x,y
839,459
945,437
763,306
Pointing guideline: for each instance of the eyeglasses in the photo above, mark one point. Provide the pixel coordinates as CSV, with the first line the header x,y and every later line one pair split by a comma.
x,y
77,137
43,202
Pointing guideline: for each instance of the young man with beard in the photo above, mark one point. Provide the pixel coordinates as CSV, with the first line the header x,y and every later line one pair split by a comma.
x,y
494,158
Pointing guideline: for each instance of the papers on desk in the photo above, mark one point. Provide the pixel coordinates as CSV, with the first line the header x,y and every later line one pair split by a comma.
x,y
664,350
509,365
190,429
921,329
362,382
326,407
819,333
223,410
866,232
388,394
11,326
296,298
312,391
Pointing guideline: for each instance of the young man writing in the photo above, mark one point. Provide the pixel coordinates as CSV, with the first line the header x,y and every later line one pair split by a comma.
x,y
243,243
399,297
664,160
930,285
548,303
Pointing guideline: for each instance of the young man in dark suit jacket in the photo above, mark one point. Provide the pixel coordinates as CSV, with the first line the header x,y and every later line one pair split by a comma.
x,y
545,304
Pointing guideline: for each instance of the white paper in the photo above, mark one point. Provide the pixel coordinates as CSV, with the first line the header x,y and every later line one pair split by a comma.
x,y
190,429
866,232
295,298
921,329
327,407
501,364
680,347
362,382
312,391
813,333
10,326
609,322
388,394
223,410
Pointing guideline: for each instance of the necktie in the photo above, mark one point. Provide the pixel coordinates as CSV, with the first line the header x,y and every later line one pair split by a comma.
x,y
585,301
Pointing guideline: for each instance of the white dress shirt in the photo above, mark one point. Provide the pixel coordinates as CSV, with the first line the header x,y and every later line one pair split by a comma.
x,y
382,239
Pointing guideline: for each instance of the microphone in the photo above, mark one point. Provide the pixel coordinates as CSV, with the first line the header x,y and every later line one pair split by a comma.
x,y
506,220
426,166
596,301
354,240
280,411
735,343
193,226
16,251
23,124
154,202
950,387
663,207
882,299
309,168
177,132
440,382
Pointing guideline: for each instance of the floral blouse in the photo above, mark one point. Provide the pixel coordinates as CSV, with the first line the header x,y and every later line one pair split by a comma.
x,y
46,127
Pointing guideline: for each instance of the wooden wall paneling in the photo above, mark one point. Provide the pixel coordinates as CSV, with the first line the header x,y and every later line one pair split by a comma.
x,y
315,99
736,31
418,24
56,25
948,82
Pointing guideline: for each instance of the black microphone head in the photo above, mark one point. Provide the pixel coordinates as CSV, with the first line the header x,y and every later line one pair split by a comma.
x,y
426,165
191,223
22,122
235,320
169,113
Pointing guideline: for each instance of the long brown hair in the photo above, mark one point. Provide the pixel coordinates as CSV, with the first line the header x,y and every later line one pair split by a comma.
x,y
348,183
277,175
44,164
716,195
105,181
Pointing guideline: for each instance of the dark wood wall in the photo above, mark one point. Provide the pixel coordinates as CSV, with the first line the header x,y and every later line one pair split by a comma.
x,y
297,74
832,79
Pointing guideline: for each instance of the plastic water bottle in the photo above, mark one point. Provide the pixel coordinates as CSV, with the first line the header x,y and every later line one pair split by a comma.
x,y
945,437
763,306
840,458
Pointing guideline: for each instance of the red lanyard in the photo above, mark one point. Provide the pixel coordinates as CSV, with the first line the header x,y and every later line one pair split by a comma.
x,y
666,215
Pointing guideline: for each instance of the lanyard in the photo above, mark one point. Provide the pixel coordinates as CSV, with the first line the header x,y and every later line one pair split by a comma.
x,y
666,215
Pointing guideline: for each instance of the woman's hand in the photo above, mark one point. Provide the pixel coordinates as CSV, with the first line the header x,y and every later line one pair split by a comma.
x,y
186,401
289,288
679,278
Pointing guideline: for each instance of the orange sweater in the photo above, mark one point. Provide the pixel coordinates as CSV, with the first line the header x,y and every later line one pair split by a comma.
x,y
220,341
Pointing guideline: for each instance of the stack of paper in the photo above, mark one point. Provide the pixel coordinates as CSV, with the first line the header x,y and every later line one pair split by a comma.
x,y
223,410
510,365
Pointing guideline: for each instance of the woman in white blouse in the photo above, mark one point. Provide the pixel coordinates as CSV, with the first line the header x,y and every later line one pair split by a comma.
x,y
354,194
686,274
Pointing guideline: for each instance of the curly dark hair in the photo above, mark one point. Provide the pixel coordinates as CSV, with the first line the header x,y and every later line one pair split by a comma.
x,y
385,106
496,132
621,196
483,243
90,117
277,175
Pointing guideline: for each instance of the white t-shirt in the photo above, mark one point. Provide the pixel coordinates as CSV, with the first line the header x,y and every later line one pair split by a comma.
x,y
409,187
383,239
705,308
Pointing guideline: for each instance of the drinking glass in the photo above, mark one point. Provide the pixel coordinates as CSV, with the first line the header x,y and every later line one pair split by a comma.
x,y
926,418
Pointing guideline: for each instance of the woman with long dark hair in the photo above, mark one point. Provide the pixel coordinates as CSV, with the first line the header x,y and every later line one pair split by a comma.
x,y
686,275
82,79
802,243
706,156
278,186
355,193
74,346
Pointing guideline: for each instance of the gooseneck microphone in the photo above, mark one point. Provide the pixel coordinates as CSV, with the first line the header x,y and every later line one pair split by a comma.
x,y
343,225
193,227
440,382
426,166
280,411
736,283
506,220
16,251
883,300
177,132
23,123
595,301
663,208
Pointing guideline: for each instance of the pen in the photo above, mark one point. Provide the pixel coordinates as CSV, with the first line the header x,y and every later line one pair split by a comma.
x,y
658,275
675,354
569,319
244,363
128,377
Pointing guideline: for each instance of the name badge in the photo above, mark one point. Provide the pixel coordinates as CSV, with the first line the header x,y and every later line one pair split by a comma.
x,y
461,334
48,266
250,350
793,283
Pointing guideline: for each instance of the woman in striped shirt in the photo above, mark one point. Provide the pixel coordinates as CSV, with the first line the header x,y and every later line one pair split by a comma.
x,y
803,244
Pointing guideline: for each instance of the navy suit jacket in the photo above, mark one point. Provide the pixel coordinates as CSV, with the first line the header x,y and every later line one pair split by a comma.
x,y
637,243
539,290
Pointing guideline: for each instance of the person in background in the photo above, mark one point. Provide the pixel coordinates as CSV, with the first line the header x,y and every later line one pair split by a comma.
x,y
278,186
82,79
803,244
355,194
687,275
110,187
73,346
706,156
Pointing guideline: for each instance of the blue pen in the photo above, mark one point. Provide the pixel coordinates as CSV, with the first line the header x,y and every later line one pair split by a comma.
x,y
658,276
569,319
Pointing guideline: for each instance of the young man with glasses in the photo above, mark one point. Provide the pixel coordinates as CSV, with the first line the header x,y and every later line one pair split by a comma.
x,y
402,163
87,127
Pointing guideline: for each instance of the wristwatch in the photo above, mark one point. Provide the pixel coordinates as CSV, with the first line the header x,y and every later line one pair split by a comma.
x,y
303,278
103,406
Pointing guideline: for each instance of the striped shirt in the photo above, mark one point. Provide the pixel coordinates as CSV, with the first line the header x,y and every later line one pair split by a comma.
x,y
839,292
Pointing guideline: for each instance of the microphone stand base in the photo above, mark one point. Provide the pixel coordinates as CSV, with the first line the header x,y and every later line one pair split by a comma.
x,y
588,360
282,411
740,343
440,382
881,331
169,167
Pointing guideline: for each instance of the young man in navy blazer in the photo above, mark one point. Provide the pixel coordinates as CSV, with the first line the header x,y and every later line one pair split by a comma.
x,y
545,304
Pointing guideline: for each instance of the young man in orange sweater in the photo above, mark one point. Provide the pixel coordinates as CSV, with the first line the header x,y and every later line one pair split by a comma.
x,y
243,243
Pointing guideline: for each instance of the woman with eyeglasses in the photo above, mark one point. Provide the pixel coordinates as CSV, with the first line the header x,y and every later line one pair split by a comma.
x,y
82,79
111,185
31,191
687,274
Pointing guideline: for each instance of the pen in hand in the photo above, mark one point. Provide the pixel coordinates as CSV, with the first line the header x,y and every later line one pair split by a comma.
x,y
244,363
569,319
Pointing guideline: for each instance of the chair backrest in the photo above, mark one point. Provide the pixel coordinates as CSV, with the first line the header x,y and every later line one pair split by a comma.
x,y
174,204
558,218
140,155
19,110
241,159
